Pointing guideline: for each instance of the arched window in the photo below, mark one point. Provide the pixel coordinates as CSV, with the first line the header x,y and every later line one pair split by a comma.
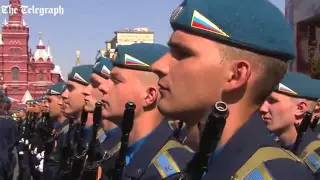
x,y
41,76
15,74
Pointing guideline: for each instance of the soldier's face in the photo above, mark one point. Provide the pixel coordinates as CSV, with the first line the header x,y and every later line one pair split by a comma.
x,y
92,93
123,86
192,76
45,105
73,99
54,107
37,108
278,112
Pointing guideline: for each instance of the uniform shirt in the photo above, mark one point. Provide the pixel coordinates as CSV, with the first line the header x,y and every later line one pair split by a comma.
x,y
148,163
247,140
111,146
52,163
312,158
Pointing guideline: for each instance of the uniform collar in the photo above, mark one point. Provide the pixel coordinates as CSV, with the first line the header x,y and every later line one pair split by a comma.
x,y
112,139
133,148
142,158
247,140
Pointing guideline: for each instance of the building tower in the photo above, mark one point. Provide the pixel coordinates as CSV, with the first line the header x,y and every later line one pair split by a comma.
x,y
14,53
78,58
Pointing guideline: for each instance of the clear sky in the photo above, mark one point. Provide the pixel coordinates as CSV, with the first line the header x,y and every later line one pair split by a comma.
x,y
86,25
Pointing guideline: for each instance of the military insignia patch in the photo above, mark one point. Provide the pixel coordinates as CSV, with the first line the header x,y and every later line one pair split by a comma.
x,y
129,60
201,22
175,14
313,161
165,165
261,172
285,89
79,78
105,70
54,92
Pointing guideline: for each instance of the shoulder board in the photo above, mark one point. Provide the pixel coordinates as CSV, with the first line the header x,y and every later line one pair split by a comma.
x,y
254,166
310,157
114,150
63,130
164,162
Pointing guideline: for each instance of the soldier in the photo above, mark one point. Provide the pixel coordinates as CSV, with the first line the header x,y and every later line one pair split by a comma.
x,y
235,52
153,151
287,106
61,126
72,105
9,138
111,139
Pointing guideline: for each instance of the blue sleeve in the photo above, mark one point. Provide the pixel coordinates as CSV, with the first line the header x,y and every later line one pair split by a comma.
x,y
288,169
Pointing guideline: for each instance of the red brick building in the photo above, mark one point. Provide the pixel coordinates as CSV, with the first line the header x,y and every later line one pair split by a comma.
x,y
24,75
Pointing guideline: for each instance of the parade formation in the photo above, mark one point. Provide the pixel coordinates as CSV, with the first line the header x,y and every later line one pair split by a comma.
x,y
218,103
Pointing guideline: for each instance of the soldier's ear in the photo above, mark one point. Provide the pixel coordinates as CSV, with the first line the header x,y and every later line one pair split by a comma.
x,y
150,97
301,108
240,72
317,107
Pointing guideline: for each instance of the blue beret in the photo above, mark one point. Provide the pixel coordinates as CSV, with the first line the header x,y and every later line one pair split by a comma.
x,y
29,102
254,25
103,67
139,56
37,101
81,74
57,89
21,109
297,85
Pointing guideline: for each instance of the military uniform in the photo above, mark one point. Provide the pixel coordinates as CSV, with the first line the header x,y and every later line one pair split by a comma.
x,y
109,142
259,27
9,137
52,159
158,155
81,75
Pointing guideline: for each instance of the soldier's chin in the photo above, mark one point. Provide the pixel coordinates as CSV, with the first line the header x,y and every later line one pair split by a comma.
x,y
89,109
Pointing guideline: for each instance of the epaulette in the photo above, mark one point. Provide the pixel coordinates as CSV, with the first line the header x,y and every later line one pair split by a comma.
x,y
164,162
113,151
254,167
63,130
310,157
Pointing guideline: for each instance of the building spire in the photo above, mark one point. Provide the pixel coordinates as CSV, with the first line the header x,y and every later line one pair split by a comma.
x,y
78,58
16,18
40,38
48,49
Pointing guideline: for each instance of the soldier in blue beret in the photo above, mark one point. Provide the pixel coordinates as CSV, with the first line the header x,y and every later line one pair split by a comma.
x,y
61,126
72,106
110,134
44,104
235,52
151,153
285,108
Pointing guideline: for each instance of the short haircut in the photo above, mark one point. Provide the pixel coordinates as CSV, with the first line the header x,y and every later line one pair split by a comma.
x,y
271,70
